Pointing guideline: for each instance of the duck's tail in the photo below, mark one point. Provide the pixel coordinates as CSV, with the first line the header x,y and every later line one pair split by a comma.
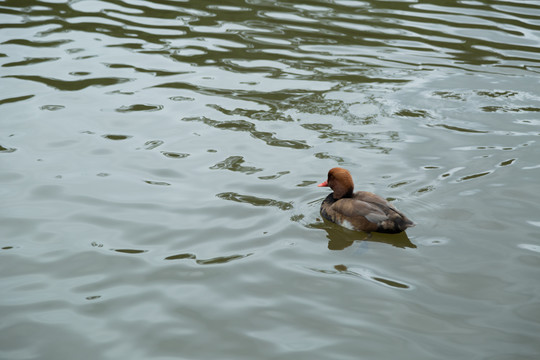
x,y
406,223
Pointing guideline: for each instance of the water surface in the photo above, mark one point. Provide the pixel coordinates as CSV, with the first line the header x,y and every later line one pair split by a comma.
x,y
159,168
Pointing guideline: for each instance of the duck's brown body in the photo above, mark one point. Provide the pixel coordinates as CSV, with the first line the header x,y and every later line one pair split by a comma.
x,y
360,210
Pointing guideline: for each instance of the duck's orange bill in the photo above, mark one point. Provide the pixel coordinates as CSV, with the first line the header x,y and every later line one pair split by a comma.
x,y
323,184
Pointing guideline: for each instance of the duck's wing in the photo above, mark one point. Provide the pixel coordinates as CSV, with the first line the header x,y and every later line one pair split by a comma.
x,y
371,198
395,219
351,209
376,200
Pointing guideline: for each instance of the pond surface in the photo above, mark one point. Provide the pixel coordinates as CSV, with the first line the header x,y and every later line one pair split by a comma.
x,y
159,162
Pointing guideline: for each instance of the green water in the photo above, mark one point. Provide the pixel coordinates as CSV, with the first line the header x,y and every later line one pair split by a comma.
x,y
158,171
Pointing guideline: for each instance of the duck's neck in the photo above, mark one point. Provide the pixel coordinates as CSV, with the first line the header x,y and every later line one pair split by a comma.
x,y
342,193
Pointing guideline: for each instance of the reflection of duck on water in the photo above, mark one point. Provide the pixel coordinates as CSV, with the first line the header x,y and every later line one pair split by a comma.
x,y
339,239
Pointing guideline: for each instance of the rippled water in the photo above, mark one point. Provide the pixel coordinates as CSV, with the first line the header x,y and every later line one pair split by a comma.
x,y
159,162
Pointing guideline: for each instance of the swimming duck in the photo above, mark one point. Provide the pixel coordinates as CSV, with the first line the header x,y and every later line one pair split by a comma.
x,y
361,210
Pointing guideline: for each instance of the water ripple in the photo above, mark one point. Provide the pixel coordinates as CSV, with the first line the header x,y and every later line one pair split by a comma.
x,y
246,126
73,85
254,200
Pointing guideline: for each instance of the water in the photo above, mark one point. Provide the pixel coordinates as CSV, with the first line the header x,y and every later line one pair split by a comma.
x,y
159,168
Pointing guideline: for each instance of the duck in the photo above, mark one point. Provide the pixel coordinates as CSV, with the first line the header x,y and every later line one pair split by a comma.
x,y
361,210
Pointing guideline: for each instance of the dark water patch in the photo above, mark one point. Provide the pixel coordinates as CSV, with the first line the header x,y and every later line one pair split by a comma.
x,y
159,183
400,183
270,116
155,72
30,61
496,94
306,183
116,137
391,283
273,177
128,46
74,85
130,251
120,92
317,104
372,142
510,109
246,126
259,115
507,162
325,155
450,173
425,189
366,275
275,99
181,256
317,127
37,44
15,99
490,147
139,107
459,129
450,95
174,155
79,73
413,113
342,135
52,107
74,50
152,144
474,176
254,200
4,149
222,259
234,163
181,98
211,261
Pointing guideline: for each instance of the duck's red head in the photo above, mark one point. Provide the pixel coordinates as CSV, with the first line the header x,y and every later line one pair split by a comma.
x,y
340,181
